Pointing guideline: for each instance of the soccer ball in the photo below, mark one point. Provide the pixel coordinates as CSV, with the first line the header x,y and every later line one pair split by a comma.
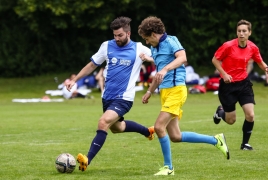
x,y
65,163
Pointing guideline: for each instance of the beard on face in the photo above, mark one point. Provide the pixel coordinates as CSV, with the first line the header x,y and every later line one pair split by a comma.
x,y
122,42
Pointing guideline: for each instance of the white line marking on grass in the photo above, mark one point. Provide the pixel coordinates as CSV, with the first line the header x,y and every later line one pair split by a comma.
x,y
43,144
11,143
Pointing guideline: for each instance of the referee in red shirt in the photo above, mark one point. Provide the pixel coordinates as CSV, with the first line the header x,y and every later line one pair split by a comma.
x,y
231,60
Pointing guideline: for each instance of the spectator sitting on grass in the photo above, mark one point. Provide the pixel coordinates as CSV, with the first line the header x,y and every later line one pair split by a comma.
x,y
191,76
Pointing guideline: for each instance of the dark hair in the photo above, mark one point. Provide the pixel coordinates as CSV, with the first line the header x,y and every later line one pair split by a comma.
x,y
121,22
244,22
151,24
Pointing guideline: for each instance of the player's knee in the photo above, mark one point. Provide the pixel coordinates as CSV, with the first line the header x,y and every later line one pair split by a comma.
x,y
230,118
175,138
250,117
114,131
159,130
103,125
231,121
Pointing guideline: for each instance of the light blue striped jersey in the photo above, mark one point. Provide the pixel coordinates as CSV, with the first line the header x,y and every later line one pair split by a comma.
x,y
164,54
122,69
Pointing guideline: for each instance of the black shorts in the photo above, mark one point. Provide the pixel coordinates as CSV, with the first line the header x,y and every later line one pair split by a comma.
x,y
231,93
120,106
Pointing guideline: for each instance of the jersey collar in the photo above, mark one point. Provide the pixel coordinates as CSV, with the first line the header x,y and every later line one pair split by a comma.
x,y
161,40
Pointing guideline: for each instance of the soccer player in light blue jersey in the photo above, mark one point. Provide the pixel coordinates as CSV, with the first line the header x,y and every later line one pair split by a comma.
x,y
123,64
169,57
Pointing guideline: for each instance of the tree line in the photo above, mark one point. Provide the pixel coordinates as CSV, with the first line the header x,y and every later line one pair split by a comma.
x,y
48,36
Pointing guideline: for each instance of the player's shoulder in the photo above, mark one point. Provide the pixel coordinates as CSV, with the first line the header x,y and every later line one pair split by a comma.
x,y
139,44
252,45
112,41
105,43
171,38
230,43
172,41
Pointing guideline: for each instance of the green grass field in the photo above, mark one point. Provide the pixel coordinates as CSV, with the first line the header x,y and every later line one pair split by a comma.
x,y
32,135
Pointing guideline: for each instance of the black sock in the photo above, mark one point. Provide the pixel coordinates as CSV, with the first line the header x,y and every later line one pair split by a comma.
x,y
247,130
132,126
96,144
221,113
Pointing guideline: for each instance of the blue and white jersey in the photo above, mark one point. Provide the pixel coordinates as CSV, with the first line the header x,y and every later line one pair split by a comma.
x,y
164,54
122,70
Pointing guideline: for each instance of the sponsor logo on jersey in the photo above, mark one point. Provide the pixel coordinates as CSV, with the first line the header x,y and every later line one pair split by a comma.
x,y
114,60
125,62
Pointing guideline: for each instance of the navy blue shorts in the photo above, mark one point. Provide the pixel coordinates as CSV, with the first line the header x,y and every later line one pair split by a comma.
x,y
231,93
120,106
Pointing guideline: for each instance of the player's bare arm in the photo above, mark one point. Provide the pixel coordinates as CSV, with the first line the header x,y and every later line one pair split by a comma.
x,y
263,66
145,57
226,77
150,90
89,68
177,62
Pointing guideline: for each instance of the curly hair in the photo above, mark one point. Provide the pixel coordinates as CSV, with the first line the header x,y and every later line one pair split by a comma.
x,y
121,22
151,24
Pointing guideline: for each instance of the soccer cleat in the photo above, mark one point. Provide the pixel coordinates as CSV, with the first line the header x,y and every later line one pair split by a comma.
x,y
83,161
216,117
165,171
246,147
151,130
221,145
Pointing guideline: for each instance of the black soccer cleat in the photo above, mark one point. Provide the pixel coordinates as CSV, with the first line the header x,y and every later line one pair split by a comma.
x,y
246,147
216,117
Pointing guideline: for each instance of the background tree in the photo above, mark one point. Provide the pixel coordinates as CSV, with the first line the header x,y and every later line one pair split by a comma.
x,y
39,37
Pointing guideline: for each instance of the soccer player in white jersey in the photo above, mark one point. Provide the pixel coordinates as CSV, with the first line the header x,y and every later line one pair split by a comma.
x,y
123,64
169,57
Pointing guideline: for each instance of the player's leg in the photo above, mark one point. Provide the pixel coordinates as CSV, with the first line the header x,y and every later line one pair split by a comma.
x,y
122,126
121,107
228,98
247,126
247,102
228,117
172,100
160,128
219,115
106,120
193,137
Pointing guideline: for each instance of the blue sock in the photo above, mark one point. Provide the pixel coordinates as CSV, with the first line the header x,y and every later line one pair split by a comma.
x,y
132,126
193,137
165,146
96,144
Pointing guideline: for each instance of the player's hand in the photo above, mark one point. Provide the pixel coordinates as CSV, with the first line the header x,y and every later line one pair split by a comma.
x,y
146,97
69,85
266,70
159,76
227,78
143,57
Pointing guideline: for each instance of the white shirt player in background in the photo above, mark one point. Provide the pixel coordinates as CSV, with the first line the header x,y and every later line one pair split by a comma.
x,y
123,64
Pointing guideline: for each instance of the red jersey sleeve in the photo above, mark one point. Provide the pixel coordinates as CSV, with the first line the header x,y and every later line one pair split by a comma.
x,y
256,56
222,52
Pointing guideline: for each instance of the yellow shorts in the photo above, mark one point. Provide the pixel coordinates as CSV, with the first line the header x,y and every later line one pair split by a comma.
x,y
172,100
